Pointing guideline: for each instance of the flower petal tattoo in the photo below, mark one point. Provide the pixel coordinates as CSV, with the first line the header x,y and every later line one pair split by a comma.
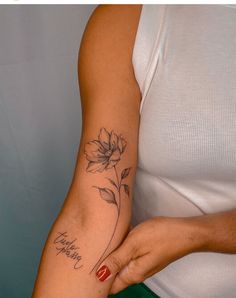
x,y
104,154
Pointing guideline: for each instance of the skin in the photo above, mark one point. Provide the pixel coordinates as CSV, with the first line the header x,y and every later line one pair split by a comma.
x,y
147,249
82,232
110,99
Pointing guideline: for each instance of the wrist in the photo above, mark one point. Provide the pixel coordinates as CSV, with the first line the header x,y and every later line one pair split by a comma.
x,y
188,234
196,230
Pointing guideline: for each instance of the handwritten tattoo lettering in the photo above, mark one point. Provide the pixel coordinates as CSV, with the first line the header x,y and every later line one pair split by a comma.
x,y
68,248
104,154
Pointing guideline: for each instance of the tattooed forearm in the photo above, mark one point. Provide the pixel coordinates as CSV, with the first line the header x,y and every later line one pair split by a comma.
x,y
104,154
68,248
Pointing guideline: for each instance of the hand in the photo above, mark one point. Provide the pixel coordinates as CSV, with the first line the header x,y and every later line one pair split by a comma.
x,y
147,249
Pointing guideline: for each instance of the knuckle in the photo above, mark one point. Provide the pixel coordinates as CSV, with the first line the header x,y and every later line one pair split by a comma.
x,y
132,242
133,279
127,280
116,262
131,275
136,276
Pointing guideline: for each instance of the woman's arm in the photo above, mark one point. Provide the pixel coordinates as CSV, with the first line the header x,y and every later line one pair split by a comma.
x,y
214,232
96,214
157,242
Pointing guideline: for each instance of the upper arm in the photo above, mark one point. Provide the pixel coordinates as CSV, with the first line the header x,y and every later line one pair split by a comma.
x,y
105,56
110,98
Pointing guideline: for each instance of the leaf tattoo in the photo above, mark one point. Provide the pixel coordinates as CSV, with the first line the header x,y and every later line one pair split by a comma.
x,y
104,154
112,182
107,195
125,173
126,188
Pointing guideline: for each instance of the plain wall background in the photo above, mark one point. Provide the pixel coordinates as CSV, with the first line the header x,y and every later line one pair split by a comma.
x,y
40,124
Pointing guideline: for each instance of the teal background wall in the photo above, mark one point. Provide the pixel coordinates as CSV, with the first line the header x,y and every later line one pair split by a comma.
x,y
40,123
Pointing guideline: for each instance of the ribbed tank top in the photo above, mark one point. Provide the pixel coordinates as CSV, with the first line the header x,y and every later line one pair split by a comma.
x,y
184,60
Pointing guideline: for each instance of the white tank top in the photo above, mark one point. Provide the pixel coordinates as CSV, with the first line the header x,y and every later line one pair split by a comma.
x,y
184,61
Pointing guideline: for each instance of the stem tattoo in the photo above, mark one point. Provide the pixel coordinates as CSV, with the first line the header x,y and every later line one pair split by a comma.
x,y
104,154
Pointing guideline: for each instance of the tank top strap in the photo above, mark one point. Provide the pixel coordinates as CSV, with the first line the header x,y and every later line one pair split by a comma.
x,y
146,46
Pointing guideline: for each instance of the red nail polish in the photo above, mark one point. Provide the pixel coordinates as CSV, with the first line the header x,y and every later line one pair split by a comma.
x,y
103,273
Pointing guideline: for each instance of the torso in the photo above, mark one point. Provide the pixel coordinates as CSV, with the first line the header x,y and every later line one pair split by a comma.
x,y
187,138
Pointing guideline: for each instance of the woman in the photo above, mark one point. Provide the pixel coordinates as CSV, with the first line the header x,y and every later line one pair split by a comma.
x,y
157,80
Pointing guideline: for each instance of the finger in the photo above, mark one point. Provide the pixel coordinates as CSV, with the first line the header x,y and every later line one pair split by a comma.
x,y
117,260
131,228
118,284
135,272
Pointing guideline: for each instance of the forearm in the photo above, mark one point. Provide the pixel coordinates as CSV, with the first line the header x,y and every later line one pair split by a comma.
x,y
212,232
73,248
94,219
65,267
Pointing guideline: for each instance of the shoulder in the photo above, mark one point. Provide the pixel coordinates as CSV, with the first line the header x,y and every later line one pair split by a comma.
x,y
112,26
107,43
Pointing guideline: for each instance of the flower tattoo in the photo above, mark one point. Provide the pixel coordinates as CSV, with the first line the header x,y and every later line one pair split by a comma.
x,y
103,154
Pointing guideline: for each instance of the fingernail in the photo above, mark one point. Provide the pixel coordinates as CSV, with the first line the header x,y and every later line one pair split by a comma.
x,y
103,273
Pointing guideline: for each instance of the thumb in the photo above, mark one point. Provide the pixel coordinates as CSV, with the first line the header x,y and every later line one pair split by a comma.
x,y
116,261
